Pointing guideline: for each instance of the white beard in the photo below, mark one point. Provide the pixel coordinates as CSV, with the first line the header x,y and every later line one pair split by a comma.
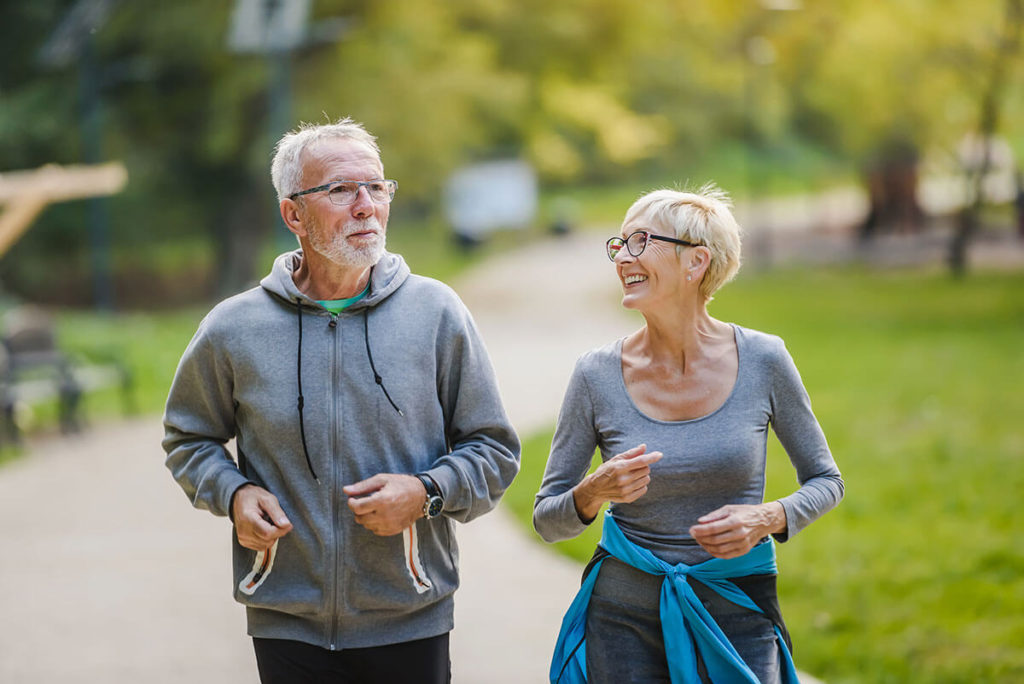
x,y
339,250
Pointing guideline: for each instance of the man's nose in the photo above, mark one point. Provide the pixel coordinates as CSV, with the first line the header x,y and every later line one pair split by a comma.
x,y
363,207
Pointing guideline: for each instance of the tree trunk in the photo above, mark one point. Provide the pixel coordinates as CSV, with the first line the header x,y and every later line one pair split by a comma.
x,y
891,182
967,225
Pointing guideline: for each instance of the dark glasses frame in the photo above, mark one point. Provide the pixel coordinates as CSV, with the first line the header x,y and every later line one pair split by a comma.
x,y
614,245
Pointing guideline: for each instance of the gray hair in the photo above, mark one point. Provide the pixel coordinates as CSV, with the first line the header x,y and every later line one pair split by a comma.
x,y
286,169
703,217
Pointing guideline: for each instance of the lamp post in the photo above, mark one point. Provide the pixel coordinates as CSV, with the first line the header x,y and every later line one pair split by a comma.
x,y
273,29
74,42
277,30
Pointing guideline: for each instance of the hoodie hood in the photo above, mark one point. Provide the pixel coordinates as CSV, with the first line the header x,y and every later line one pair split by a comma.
x,y
386,276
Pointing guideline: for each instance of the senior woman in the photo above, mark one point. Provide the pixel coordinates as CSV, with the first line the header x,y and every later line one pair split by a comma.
x,y
682,586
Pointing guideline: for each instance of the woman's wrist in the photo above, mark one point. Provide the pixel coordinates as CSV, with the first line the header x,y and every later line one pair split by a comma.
x,y
587,507
775,517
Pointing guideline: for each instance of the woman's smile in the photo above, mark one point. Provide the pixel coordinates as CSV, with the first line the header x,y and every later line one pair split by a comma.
x,y
633,279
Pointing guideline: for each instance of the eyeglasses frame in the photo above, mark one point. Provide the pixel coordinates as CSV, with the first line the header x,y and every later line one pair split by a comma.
x,y
361,184
650,236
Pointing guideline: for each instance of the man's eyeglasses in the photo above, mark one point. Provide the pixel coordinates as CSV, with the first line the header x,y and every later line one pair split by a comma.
x,y
342,192
637,242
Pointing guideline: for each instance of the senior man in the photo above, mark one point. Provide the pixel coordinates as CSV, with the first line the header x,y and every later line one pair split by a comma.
x,y
366,419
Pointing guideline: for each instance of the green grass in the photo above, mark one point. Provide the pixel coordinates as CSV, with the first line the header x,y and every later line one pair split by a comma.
x,y
918,576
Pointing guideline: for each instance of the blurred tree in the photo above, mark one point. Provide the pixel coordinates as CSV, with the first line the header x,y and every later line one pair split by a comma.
x,y
37,120
198,112
185,116
883,83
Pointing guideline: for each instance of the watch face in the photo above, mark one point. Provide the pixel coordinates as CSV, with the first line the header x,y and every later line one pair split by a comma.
x,y
434,506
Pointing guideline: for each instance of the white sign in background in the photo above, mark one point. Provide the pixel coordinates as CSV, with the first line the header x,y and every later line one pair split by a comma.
x,y
482,198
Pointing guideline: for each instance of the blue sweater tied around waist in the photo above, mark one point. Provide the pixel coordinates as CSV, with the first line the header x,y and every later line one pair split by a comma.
x,y
684,620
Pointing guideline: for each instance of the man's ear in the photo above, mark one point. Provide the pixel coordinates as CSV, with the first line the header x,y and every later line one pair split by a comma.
x,y
292,216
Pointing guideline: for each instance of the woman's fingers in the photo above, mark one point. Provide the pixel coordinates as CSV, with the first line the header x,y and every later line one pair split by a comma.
x,y
621,479
631,466
632,489
730,531
716,514
630,453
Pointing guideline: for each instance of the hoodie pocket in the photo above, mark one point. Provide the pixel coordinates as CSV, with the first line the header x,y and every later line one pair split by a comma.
x,y
262,566
283,579
413,563
403,571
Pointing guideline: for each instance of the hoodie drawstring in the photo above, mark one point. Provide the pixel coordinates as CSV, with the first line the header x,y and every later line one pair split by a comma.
x,y
302,402
376,376
298,363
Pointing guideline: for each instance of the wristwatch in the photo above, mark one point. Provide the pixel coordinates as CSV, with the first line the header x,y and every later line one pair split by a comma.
x,y
434,503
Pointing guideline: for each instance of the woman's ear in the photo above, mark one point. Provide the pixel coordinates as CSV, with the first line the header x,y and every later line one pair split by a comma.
x,y
700,259
292,217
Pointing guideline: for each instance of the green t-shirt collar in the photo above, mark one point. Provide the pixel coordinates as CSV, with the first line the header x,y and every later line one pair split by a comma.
x,y
336,306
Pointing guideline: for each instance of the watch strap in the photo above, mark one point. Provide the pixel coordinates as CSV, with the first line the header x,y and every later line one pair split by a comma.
x,y
429,485
434,503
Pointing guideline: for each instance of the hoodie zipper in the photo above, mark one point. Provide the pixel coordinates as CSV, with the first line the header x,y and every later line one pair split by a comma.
x,y
335,495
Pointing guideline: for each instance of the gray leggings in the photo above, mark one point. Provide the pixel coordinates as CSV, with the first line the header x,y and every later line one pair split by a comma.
x,y
624,640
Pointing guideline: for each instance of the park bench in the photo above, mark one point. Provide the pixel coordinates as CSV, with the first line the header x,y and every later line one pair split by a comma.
x,y
33,370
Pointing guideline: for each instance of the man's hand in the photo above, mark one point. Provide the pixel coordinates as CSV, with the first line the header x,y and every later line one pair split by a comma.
x,y
259,520
732,530
387,503
621,479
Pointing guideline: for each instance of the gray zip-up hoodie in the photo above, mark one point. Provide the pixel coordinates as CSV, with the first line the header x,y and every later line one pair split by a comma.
x,y
399,382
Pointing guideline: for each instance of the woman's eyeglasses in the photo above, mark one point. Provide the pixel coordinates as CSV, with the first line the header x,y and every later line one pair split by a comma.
x,y
637,242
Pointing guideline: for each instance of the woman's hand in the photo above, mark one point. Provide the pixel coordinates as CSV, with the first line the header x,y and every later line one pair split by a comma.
x,y
621,479
734,529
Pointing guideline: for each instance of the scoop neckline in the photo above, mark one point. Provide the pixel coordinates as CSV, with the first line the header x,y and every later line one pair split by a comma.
x,y
625,390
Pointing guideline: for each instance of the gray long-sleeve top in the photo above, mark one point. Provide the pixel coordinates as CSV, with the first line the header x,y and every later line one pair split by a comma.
x,y
708,462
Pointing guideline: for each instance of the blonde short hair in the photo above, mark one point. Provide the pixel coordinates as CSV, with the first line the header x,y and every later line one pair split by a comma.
x,y
286,169
703,217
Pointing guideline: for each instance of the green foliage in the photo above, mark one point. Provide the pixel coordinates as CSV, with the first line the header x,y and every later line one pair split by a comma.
x,y
593,92
871,74
915,380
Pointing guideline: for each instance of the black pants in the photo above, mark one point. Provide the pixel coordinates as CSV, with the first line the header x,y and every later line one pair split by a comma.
x,y
424,661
